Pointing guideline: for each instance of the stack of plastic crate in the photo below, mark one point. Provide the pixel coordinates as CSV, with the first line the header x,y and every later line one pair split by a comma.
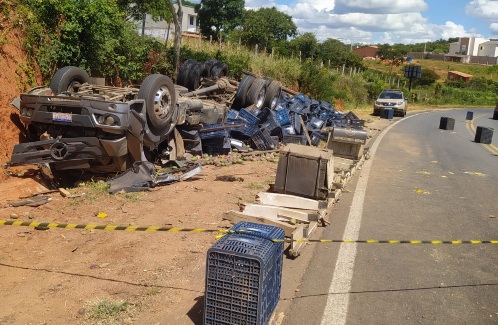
x,y
244,275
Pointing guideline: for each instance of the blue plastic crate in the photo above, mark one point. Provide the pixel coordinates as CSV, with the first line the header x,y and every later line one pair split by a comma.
x,y
296,123
216,146
293,138
283,117
232,114
214,134
314,124
249,117
272,125
387,113
288,129
260,230
262,140
264,114
315,138
243,280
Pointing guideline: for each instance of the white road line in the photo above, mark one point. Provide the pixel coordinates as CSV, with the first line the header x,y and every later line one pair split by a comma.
x,y
336,310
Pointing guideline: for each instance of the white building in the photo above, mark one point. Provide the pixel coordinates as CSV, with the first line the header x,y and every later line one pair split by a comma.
x,y
467,46
159,29
489,48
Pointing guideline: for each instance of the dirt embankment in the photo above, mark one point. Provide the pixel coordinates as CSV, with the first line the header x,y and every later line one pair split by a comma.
x,y
16,73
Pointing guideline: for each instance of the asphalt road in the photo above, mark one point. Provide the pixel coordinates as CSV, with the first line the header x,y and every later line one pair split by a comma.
x,y
422,183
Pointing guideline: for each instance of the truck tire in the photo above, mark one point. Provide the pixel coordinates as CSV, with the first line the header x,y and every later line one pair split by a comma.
x,y
240,95
195,74
219,69
159,94
209,64
273,94
256,93
182,78
65,79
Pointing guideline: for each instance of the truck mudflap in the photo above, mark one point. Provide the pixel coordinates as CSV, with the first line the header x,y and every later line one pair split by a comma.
x,y
57,150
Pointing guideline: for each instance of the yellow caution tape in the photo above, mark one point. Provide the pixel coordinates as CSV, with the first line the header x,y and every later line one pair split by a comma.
x,y
223,232
46,225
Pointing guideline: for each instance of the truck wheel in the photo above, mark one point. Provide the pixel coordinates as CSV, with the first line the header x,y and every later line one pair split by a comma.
x,y
256,93
66,78
159,94
240,95
219,69
182,78
195,74
273,94
209,64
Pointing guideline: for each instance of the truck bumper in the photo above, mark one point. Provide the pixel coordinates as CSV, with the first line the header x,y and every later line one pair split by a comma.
x,y
68,151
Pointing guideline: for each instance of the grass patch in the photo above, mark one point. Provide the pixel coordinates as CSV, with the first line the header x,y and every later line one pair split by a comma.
x,y
98,187
133,197
256,186
107,311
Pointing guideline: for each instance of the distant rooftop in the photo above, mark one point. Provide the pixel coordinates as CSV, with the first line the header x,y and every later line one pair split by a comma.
x,y
461,74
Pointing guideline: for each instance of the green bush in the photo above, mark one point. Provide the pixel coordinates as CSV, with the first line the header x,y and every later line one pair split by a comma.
x,y
93,35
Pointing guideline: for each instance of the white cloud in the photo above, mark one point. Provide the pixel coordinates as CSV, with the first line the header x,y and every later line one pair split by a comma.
x,y
483,9
379,6
255,4
376,21
450,29
494,28
321,5
348,35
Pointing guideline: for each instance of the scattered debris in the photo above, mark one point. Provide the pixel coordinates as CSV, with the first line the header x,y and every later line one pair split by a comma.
x,y
144,175
229,178
31,202
101,215
64,192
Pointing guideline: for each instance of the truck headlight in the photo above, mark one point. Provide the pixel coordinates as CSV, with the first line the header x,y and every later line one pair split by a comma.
x,y
108,119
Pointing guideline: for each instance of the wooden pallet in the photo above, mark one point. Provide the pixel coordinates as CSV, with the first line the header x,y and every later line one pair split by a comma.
x,y
297,216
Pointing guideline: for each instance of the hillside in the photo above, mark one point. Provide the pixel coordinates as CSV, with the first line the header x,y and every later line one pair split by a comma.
x,y
440,67
15,77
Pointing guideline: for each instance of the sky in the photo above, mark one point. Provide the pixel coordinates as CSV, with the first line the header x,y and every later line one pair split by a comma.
x,y
389,21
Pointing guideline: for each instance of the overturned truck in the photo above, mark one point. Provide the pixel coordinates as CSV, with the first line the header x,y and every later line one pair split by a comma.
x,y
78,125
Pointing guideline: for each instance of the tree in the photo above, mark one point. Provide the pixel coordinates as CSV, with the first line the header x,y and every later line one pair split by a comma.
x,y
338,53
394,55
306,44
164,9
137,9
427,78
178,31
91,34
219,16
266,27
